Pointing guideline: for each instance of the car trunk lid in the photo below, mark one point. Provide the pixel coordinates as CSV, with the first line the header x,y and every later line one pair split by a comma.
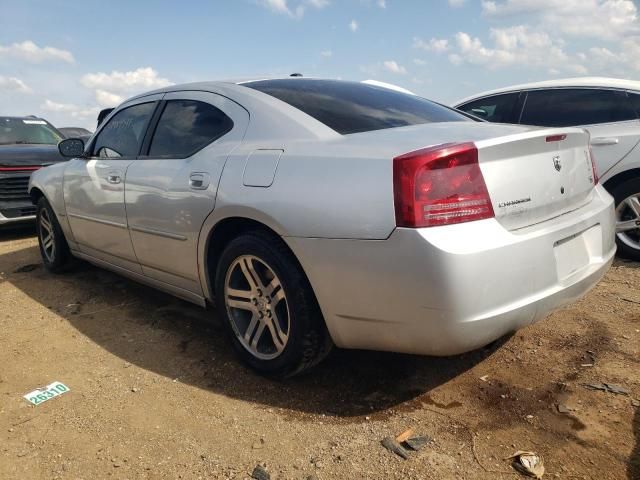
x,y
537,175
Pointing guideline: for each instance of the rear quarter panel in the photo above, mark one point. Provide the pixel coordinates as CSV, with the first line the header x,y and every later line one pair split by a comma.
x,y
320,189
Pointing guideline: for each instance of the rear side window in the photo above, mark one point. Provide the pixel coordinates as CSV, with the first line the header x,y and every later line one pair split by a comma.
x,y
186,126
497,108
635,101
352,107
122,136
573,107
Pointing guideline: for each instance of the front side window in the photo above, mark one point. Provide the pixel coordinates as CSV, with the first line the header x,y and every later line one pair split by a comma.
x,y
567,107
186,126
497,108
352,107
123,135
14,130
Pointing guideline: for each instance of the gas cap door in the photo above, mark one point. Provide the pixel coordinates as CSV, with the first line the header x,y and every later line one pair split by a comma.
x,y
260,169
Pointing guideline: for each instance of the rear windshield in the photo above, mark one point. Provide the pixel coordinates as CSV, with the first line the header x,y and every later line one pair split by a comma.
x,y
15,130
352,107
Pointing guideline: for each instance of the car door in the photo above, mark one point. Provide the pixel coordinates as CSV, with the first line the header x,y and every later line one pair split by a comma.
x,y
94,186
607,114
171,189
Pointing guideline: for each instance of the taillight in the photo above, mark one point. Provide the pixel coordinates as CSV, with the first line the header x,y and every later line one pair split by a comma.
x,y
593,167
20,169
440,185
556,138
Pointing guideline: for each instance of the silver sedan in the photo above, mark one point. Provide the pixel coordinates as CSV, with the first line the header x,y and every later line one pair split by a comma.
x,y
321,212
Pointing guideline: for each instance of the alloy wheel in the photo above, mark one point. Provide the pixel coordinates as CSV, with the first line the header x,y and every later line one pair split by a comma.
x,y
628,221
257,307
46,233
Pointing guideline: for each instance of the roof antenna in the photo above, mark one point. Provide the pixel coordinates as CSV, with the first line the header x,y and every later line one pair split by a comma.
x,y
295,75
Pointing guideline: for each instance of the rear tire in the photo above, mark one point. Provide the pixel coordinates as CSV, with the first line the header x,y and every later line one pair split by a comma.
x,y
627,200
53,246
268,307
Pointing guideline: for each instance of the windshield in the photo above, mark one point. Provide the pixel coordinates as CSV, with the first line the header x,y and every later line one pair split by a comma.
x,y
352,107
27,130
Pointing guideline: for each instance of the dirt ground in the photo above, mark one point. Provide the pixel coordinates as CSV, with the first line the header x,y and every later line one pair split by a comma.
x,y
156,391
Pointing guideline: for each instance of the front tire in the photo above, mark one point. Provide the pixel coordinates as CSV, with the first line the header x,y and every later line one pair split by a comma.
x,y
268,307
53,246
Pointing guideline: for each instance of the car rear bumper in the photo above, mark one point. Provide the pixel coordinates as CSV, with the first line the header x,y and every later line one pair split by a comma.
x,y
447,290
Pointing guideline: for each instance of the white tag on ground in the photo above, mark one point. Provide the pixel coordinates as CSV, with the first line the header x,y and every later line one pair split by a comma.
x,y
41,395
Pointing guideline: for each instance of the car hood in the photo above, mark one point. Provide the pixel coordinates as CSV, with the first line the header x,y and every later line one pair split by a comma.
x,y
19,155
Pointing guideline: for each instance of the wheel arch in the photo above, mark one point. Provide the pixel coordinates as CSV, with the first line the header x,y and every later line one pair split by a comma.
x,y
36,194
620,178
218,237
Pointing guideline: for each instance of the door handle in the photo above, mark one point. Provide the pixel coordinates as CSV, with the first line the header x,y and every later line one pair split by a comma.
x,y
113,178
199,181
604,141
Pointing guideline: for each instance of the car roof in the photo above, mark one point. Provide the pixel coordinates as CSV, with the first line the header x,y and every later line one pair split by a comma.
x,y
580,82
232,85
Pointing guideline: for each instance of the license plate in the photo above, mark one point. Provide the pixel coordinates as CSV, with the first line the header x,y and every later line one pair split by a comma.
x,y
575,253
41,395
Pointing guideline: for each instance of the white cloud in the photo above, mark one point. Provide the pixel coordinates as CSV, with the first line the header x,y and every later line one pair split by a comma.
x,y
70,109
393,67
604,19
108,99
110,89
286,8
353,26
516,46
544,35
382,3
455,59
13,84
437,45
144,78
326,53
419,62
616,63
31,52
456,3
281,6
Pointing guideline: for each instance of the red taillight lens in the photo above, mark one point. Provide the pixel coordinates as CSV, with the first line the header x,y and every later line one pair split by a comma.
x,y
556,138
20,169
440,186
593,167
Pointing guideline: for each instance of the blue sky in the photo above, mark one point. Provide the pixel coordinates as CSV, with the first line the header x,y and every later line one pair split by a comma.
x,y
65,60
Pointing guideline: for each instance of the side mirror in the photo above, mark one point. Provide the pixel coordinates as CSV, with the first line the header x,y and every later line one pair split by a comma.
x,y
71,147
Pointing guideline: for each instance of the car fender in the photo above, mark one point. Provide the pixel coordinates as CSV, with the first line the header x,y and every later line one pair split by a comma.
x,y
49,181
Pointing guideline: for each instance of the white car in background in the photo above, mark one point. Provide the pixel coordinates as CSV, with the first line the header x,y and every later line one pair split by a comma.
x,y
608,108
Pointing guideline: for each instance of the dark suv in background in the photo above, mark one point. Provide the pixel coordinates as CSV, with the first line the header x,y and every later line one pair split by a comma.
x,y
26,144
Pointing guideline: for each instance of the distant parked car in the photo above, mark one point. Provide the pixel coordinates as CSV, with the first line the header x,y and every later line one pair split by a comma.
x,y
321,211
75,132
608,108
26,144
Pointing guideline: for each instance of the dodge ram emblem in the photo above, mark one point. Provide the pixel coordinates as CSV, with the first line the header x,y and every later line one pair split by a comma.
x,y
556,163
